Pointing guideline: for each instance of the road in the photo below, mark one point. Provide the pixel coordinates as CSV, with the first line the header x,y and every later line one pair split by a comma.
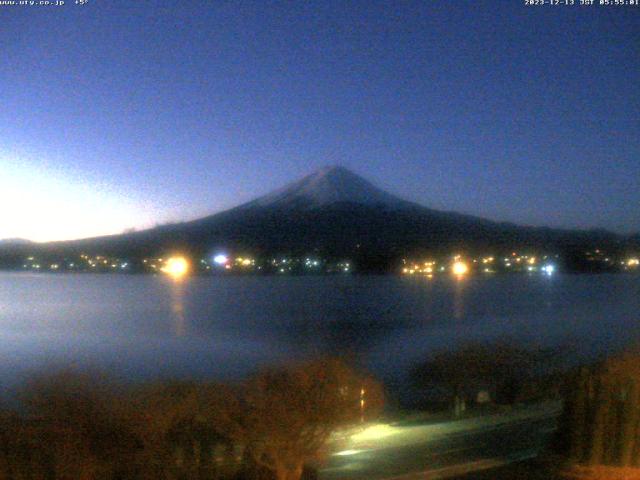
x,y
442,450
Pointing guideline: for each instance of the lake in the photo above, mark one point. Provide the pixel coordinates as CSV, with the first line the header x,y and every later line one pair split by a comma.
x,y
144,327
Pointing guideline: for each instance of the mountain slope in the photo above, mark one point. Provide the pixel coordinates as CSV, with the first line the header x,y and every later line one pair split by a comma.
x,y
14,241
336,213
325,187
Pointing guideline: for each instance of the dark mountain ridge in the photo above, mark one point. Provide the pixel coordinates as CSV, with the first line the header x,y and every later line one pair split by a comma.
x,y
335,213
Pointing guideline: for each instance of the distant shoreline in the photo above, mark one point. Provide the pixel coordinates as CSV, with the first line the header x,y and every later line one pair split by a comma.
x,y
336,274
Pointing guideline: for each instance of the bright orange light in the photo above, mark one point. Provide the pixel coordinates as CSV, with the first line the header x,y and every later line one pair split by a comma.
x,y
459,268
176,267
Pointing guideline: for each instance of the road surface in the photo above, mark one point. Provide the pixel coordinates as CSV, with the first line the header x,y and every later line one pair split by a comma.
x,y
442,450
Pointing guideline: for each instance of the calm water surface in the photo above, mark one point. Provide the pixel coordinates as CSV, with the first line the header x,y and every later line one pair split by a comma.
x,y
223,327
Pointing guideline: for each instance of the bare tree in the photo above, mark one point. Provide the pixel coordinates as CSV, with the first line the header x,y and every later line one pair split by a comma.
x,y
285,416
80,426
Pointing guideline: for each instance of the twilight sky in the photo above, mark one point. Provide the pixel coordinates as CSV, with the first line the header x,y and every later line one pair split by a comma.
x,y
120,114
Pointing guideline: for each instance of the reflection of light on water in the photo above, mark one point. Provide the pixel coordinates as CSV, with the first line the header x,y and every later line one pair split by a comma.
x,y
177,269
458,300
177,308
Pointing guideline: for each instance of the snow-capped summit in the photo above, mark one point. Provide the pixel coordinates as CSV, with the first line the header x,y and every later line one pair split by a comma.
x,y
327,186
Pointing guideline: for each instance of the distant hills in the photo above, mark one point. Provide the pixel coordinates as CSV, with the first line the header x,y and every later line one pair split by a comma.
x,y
338,214
12,242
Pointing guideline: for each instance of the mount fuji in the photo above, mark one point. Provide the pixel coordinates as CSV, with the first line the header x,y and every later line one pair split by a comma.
x,y
327,186
338,214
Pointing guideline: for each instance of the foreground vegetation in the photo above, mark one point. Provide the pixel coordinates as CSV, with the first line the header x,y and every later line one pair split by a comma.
x,y
73,426
275,425
599,433
600,429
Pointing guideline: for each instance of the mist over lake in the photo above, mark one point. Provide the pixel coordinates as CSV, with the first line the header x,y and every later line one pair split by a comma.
x,y
144,327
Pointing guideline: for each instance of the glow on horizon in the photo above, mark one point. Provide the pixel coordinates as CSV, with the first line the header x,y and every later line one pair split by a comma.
x,y
43,206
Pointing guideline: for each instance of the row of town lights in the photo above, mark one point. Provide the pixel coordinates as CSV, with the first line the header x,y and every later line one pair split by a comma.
x,y
459,267
178,266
